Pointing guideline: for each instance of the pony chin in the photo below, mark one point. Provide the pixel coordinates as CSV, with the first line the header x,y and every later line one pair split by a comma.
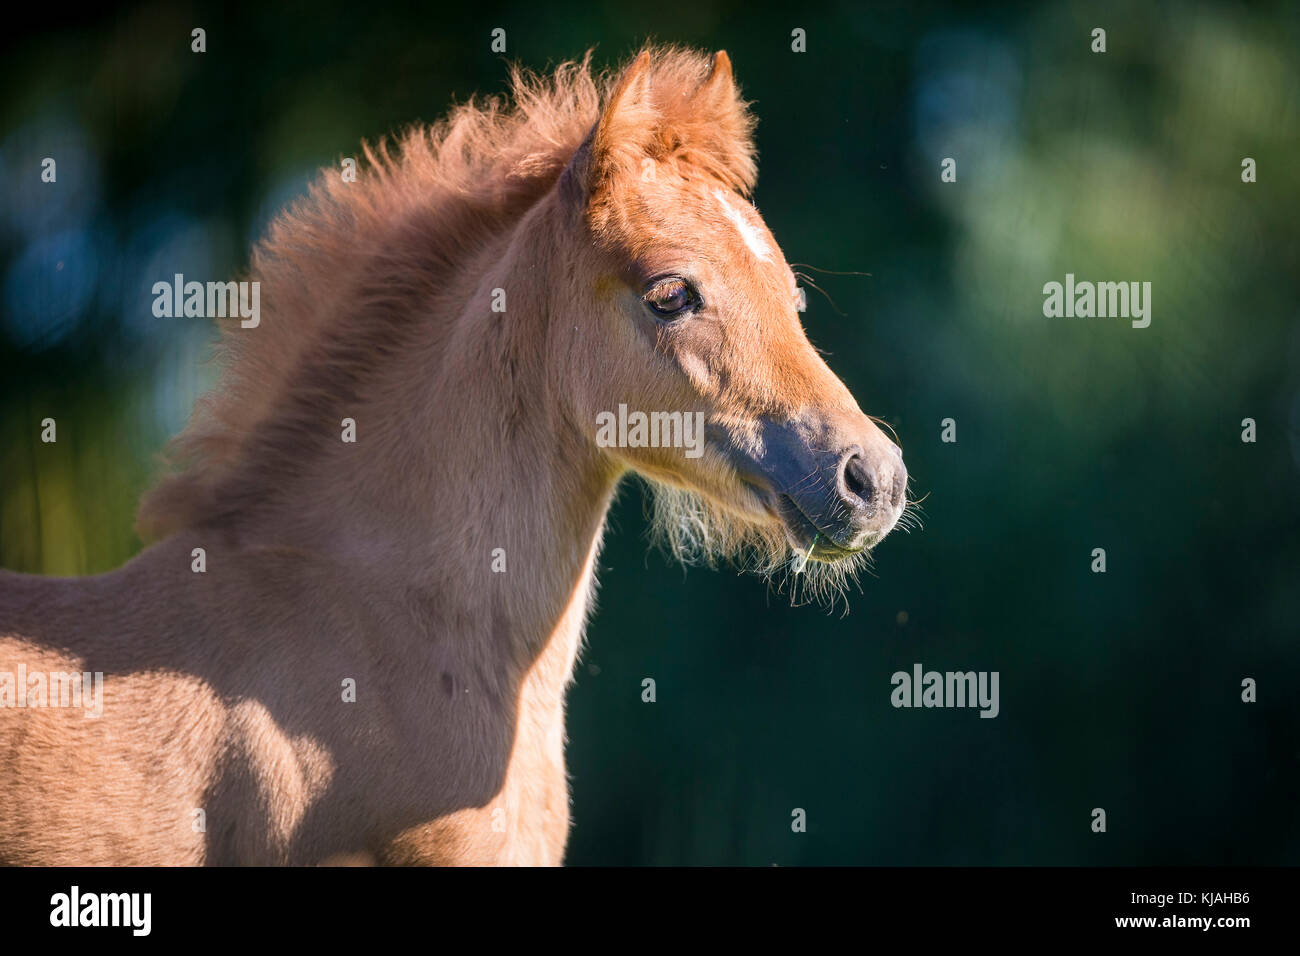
x,y
695,530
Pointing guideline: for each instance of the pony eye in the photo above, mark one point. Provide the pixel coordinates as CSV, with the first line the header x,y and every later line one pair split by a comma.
x,y
672,297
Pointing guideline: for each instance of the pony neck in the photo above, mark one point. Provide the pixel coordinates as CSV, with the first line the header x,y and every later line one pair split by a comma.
x,y
469,481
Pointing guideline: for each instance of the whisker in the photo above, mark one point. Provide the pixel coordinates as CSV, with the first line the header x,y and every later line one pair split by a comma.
x,y
829,272
808,279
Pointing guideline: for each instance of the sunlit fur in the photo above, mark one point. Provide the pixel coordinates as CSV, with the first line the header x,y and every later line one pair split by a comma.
x,y
372,561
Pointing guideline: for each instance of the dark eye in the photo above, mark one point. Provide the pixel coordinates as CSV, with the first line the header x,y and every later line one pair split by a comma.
x,y
670,297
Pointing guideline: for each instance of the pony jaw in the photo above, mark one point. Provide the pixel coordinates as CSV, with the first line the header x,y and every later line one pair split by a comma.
x,y
695,529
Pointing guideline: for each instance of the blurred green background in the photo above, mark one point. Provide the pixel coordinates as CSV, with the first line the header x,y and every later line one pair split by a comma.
x,y
1118,690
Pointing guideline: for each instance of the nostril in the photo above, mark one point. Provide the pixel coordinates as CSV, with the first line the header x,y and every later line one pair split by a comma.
x,y
857,479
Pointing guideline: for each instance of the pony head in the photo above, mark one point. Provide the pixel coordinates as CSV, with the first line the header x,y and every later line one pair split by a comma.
x,y
659,322
685,312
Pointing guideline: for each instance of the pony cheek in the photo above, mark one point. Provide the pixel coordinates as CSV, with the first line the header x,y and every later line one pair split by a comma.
x,y
697,371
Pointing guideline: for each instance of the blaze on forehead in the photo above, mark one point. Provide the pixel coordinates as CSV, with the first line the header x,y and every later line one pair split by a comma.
x,y
672,222
746,224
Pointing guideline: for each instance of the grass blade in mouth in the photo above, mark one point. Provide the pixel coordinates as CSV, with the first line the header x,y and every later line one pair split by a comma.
x,y
800,561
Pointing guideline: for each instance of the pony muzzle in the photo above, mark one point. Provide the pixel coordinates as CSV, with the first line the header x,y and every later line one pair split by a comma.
x,y
832,502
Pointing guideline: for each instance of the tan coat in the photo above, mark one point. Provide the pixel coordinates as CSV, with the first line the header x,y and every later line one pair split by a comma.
x,y
370,665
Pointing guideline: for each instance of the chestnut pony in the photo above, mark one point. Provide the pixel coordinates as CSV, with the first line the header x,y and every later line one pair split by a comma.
x,y
342,650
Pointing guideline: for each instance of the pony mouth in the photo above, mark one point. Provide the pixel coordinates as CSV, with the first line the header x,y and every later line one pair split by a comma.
x,y
803,535
806,537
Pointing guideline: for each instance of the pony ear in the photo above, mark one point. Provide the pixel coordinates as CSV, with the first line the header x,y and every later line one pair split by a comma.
x,y
708,123
717,95
723,126
626,126
628,120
